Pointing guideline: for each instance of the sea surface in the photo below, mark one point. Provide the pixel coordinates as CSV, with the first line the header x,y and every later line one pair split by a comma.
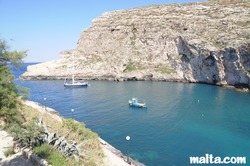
x,y
181,120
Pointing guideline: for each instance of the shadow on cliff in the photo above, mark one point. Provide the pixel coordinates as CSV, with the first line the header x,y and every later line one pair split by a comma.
x,y
199,65
230,66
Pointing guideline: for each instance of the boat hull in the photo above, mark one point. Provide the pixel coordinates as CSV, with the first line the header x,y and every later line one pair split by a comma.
x,y
77,85
136,104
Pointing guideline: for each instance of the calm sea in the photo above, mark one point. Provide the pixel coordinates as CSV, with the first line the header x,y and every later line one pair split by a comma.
x,y
181,120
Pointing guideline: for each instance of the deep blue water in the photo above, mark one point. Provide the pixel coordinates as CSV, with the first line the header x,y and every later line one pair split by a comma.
x,y
181,120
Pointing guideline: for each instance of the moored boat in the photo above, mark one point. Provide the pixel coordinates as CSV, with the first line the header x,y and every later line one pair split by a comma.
x,y
135,103
74,83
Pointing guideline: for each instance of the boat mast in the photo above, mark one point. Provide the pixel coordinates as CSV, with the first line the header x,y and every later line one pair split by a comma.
x,y
73,75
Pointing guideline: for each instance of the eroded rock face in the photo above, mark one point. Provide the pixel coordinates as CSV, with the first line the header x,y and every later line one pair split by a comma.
x,y
199,42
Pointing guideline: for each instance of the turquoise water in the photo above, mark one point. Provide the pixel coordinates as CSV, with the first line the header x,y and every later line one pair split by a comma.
x,y
181,120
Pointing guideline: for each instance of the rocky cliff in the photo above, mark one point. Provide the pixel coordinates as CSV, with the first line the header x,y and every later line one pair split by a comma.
x,y
198,42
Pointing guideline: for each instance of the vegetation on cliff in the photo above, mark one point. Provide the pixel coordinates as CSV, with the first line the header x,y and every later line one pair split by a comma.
x,y
87,141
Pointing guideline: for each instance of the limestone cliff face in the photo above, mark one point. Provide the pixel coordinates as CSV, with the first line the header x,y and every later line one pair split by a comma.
x,y
199,42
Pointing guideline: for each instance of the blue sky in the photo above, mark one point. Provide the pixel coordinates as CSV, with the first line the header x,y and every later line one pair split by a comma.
x,y
47,27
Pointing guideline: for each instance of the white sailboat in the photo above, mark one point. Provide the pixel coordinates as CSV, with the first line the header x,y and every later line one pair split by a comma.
x,y
74,83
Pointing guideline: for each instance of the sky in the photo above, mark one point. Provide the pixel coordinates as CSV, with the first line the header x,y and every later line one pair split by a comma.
x,y
46,27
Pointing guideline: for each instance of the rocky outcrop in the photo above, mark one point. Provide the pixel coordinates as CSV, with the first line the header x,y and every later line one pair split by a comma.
x,y
59,143
198,42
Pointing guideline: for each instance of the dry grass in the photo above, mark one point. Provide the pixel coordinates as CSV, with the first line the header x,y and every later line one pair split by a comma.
x,y
72,131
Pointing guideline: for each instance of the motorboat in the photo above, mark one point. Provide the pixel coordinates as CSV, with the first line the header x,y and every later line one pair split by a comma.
x,y
135,103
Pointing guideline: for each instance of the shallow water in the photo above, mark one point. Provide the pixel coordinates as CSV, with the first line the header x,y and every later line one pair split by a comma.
x,y
181,120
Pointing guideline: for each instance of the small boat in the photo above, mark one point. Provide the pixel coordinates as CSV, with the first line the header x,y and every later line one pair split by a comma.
x,y
134,103
74,83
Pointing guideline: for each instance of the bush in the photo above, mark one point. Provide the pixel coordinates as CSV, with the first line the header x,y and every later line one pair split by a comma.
x,y
131,66
51,155
28,134
9,152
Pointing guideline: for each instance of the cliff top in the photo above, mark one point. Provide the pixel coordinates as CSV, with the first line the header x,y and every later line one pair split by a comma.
x,y
223,23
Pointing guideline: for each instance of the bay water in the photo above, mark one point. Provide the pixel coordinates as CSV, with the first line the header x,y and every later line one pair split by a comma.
x,y
181,120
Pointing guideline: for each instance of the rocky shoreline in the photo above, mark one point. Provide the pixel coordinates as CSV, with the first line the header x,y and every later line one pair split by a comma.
x,y
237,87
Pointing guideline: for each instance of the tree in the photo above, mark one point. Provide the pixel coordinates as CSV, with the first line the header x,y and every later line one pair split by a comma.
x,y
9,97
25,133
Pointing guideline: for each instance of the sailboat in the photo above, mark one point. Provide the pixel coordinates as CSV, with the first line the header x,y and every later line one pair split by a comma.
x,y
74,83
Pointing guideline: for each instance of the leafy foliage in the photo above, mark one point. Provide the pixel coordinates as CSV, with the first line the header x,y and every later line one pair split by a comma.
x,y
28,135
9,101
53,157
15,57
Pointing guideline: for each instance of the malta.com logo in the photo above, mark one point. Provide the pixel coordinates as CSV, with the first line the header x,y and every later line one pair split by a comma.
x,y
210,159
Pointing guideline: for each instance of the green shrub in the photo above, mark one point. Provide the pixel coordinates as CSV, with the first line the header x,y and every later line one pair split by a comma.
x,y
79,128
27,134
51,155
9,152
131,66
165,70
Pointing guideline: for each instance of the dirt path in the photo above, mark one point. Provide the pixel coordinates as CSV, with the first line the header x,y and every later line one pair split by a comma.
x,y
6,141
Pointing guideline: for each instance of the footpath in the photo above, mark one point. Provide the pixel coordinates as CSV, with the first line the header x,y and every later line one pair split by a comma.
x,y
14,160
